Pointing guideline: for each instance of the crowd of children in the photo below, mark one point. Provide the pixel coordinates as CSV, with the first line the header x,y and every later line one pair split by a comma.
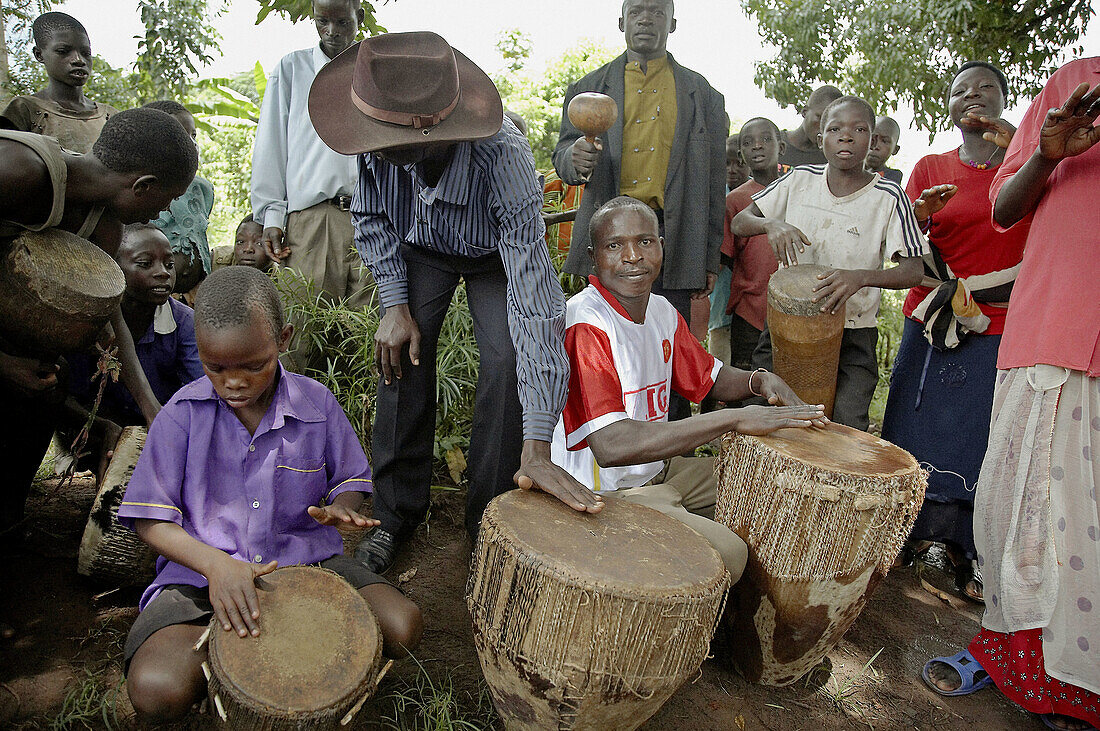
x,y
273,455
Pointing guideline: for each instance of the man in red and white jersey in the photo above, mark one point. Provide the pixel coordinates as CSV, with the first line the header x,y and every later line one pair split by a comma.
x,y
628,350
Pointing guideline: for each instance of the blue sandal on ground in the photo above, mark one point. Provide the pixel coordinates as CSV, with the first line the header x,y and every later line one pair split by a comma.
x,y
1049,723
970,671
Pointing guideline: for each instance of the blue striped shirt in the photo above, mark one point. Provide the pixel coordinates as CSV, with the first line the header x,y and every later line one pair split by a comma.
x,y
487,201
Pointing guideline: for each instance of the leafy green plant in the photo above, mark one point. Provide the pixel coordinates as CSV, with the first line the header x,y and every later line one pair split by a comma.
x,y
89,704
890,324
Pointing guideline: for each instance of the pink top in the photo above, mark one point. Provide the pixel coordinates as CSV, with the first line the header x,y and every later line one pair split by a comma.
x,y
1055,313
961,231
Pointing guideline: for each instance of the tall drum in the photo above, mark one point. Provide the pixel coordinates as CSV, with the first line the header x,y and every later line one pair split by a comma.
x,y
314,664
824,512
57,291
805,340
109,552
589,621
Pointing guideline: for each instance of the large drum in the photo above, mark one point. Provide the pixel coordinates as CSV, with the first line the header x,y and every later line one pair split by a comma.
x,y
589,621
314,664
824,512
108,552
57,291
805,340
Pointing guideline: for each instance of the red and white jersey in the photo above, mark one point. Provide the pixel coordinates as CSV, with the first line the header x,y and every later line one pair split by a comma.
x,y
620,369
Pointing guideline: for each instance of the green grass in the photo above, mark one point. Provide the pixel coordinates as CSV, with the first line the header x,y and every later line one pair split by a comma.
x,y
433,704
90,704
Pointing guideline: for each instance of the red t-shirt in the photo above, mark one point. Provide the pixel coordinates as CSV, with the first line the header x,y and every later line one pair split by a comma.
x,y
753,261
962,231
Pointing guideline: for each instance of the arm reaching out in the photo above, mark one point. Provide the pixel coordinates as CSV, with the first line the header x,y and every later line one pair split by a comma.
x,y
787,241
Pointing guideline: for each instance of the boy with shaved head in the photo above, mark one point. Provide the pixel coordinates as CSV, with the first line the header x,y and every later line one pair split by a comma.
x,y
801,143
884,145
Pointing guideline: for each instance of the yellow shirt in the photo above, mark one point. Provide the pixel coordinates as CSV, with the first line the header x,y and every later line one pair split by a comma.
x,y
649,124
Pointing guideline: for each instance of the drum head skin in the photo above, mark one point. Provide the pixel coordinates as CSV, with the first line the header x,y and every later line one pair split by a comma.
x,y
673,556
791,289
318,641
840,448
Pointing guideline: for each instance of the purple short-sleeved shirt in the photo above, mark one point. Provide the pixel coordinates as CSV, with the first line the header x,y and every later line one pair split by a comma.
x,y
246,495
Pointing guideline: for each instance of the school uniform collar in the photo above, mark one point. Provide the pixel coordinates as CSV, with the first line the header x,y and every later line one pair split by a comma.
x,y
164,323
290,400
454,185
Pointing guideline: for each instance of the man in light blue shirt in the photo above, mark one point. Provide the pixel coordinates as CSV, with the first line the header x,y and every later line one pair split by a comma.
x,y
447,191
301,189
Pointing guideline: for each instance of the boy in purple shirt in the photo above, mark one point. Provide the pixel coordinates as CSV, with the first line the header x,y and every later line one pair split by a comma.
x,y
244,470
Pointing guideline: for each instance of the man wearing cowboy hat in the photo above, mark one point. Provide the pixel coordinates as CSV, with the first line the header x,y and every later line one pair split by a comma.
x,y
447,190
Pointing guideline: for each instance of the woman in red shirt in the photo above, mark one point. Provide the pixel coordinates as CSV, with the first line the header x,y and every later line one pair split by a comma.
x,y
941,390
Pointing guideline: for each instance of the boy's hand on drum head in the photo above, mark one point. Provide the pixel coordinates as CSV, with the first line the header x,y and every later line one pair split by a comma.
x,y
778,393
787,241
836,287
932,201
337,514
761,420
536,471
233,594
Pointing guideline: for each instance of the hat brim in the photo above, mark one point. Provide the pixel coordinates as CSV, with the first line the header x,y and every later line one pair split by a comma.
x,y
347,130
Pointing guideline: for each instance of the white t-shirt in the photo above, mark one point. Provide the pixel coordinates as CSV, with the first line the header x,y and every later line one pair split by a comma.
x,y
620,369
856,231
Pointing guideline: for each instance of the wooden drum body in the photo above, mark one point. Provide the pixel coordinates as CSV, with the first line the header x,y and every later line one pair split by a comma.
x,y
805,341
589,621
824,512
109,552
314,664
57,291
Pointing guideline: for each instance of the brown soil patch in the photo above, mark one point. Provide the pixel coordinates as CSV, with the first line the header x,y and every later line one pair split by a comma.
x,y
67,638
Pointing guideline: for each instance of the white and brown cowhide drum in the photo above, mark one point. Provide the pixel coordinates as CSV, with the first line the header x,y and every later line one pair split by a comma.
x,y
824,512
589,621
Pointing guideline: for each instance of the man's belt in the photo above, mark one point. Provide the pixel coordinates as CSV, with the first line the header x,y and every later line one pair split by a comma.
x,y
343,202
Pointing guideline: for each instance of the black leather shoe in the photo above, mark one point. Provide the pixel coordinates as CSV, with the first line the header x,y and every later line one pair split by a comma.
x,y
377,551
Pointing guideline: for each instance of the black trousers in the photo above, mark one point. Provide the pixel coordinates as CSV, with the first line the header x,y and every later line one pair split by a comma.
x,y
405,411
26,426
856,378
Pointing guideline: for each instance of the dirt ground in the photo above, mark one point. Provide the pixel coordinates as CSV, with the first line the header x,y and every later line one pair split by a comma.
x,y
61,668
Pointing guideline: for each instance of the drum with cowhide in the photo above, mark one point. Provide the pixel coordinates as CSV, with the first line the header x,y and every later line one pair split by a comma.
x,y
588,621
824,512
57,291
314,664
805,340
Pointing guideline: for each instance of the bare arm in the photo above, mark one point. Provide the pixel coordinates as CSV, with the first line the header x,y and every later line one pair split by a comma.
x,y
232,582
787,241
628,441
133,376
1067,131
839,284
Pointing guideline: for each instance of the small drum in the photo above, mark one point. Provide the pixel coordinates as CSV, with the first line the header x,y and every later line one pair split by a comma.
x,y
589,621
57,291
824,512
108,552
805,340
314,664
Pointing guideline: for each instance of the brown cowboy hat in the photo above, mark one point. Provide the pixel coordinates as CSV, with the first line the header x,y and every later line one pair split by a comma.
x,y
401,89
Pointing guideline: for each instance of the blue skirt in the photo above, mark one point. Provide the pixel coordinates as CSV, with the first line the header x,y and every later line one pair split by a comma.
x,y
938,409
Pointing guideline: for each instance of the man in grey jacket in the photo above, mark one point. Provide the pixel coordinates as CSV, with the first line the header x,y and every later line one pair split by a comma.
x,y
667,148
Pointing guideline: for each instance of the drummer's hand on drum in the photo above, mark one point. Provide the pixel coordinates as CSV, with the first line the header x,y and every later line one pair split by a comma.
x,y
778,393
536,471
760,420
233,594
836,287
336,514
787,241
397,329
932,201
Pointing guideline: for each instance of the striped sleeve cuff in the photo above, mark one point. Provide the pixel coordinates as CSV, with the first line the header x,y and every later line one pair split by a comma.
x,y
539,425
129,512
394,293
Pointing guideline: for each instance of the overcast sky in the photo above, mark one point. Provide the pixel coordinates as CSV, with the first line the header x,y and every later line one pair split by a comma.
x,y
713,37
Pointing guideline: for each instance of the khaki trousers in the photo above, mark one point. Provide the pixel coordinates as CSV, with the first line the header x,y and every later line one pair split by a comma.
x,y
685,490
321,240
